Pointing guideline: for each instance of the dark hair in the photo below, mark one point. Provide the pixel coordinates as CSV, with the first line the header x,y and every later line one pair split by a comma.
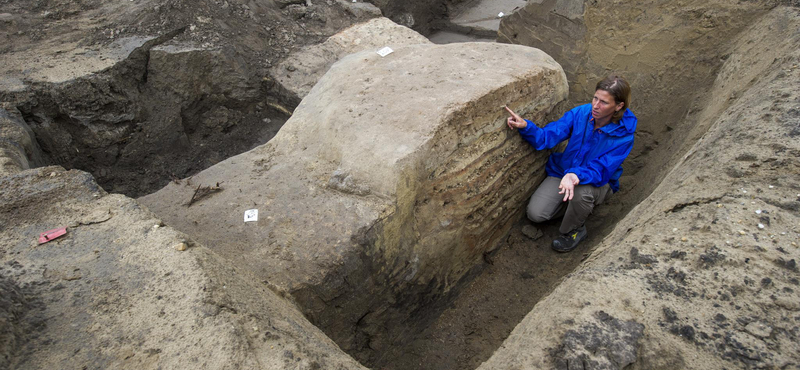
x,y
620,90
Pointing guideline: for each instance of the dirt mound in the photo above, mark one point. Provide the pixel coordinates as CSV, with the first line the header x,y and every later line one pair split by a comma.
x,y
120,290
365,218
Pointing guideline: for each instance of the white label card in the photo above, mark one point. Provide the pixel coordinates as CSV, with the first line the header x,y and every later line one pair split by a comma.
x,y
251,215
385,51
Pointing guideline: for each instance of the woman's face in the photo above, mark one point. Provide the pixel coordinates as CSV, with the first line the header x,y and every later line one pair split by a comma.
x,y
604,105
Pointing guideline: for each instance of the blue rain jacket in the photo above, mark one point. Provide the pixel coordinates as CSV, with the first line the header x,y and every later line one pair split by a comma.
x,y
594,155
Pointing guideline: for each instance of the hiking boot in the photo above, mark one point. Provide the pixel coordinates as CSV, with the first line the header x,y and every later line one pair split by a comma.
x,y
569,241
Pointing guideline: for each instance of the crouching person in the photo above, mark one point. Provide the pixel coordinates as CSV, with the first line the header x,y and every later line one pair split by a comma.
x,y
587,172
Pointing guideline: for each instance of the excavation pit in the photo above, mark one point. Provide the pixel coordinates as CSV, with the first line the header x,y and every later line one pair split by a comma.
x,y
446,323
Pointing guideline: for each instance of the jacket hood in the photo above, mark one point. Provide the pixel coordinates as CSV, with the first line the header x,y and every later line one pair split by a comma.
x,y
625,126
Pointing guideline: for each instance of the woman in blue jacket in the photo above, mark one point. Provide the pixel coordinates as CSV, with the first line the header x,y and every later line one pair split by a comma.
x,y
600,138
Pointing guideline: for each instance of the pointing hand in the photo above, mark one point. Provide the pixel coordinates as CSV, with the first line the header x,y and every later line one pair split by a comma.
x,y
515,121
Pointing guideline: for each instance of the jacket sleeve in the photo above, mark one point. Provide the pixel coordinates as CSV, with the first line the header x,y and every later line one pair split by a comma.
x,y
549,136
598,171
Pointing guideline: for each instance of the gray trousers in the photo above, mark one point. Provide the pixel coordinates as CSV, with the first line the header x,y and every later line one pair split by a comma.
x,y
546,203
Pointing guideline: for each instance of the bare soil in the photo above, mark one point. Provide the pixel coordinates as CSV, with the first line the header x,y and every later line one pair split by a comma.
x,y
38,36
140,93
519,273
523,271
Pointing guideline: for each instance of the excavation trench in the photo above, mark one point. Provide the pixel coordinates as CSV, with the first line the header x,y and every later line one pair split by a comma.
x,y
457,331
166,113
162,114
148,122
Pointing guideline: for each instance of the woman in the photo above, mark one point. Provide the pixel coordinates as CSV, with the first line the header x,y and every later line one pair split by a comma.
x,y
600,138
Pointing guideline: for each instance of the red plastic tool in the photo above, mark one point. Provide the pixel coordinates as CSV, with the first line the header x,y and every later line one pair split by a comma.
x,y
52,234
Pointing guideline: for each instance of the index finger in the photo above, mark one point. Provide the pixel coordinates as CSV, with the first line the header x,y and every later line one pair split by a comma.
x,y
511,112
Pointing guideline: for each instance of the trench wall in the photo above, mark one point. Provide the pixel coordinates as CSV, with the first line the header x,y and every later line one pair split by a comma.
x,y
696,276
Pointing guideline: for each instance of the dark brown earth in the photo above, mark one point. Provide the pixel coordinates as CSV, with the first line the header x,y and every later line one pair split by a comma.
x,y
197,92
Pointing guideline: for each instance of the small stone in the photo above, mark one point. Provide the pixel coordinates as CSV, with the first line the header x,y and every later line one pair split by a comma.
x,y
760,226
683,239
741,232
758,329
182,246
758,211
771,187
787,303
531,232
674,229
52,174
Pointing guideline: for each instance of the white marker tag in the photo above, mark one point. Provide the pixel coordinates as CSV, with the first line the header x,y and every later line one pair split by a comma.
x,y
500,15
385,51
251,215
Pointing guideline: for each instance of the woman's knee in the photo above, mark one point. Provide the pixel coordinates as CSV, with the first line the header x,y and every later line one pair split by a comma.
x,y
545,201
584,194
536,215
